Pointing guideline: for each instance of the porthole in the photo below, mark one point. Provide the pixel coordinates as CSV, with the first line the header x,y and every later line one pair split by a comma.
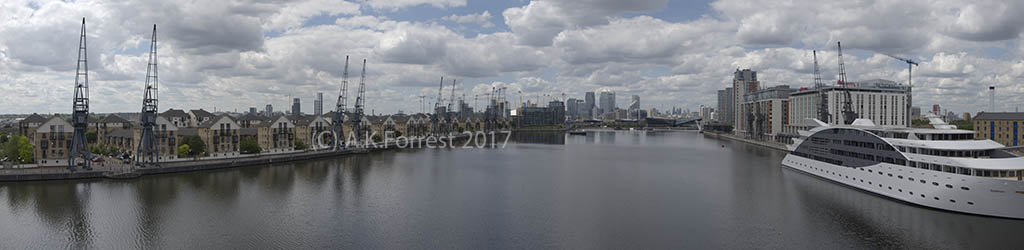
x,y
936,198
953,201
970,203
869,171
935,183
890,175
901,177
910,178
949,186
922,196
965,188
911,192
923,182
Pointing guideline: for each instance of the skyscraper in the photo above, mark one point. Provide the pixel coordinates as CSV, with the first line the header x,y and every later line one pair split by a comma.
x,y
318,104
588,105
296,108
743,82
269,110
725,106
252,110
634,102
572,108
607,102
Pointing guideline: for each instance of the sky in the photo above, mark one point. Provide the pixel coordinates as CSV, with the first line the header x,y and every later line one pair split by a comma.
x,y
234,54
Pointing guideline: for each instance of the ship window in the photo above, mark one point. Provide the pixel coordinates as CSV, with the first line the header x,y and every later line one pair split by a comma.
x,y
923,181
900,176
935,183
965,188
911,178
949,186
936,197
970,203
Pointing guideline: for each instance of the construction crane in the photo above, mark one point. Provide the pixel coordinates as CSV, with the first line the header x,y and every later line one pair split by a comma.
x,y
339,110
357,108
80,116
910,83
848,115
438,110
823,114
451,103
148,153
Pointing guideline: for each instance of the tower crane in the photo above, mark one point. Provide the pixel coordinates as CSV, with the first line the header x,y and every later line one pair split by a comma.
x,y
910,83
339,110
357,108
823,114
148,152
848,115
80,115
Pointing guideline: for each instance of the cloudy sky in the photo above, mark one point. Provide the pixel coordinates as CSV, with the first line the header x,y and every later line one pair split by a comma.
x,y
235,54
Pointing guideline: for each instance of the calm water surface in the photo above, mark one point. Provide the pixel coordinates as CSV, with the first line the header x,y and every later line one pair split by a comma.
x,y
606,190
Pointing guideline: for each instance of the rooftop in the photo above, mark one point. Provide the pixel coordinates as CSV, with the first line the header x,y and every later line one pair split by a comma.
x,y
1000,116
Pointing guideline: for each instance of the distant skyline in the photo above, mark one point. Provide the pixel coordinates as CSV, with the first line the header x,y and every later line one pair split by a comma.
x,y
232,55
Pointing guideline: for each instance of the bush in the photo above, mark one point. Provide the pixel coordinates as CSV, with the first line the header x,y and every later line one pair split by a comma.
x,y
249,146
300,145
183,151
90,137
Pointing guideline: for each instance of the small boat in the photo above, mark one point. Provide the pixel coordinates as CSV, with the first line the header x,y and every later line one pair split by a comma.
x,y
577,132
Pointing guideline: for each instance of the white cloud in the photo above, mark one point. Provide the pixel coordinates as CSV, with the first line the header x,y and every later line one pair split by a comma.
x,y
394,5
481,19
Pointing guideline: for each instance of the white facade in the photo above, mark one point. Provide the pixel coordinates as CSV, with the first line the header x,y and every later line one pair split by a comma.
x,y
878,100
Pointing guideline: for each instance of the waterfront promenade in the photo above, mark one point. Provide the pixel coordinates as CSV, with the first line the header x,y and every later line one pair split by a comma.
x,y
115,169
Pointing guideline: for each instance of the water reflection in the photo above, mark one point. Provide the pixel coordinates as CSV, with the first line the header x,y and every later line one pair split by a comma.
x,y
61,206
555,138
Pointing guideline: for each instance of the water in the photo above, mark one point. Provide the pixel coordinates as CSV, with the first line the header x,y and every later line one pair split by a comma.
x,y
608,190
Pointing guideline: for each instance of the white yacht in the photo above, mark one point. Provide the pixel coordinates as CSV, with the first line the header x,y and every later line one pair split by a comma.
x,y
941,167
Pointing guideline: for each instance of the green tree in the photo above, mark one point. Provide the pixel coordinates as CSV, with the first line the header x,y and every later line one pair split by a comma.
x,y
3,137
196,144
377,138
183,151
301,145
90,137
249,146
25,150
10,149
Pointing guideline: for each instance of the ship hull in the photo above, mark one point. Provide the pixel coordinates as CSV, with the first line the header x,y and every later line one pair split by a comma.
x,y
935,189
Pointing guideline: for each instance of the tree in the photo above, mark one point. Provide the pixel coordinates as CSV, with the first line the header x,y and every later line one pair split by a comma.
x,y
183,151
10,149
3,137
301,145
377,138
90,137
249,146
196,144
25,150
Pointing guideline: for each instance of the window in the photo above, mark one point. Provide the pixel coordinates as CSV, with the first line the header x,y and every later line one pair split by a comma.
x,y
965,188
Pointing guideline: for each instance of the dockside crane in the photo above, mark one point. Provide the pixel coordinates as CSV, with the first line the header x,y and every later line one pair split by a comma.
x,y
910,83
823,114
339,111
848,115
451,103
148,153
80,116
357,108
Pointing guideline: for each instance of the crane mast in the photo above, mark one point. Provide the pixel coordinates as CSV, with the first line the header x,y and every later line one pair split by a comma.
x,y
823,114
438,110
339,110
357,113
80,115
848,115
148,153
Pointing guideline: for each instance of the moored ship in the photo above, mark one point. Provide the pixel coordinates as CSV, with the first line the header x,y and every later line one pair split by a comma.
x,y
940,167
